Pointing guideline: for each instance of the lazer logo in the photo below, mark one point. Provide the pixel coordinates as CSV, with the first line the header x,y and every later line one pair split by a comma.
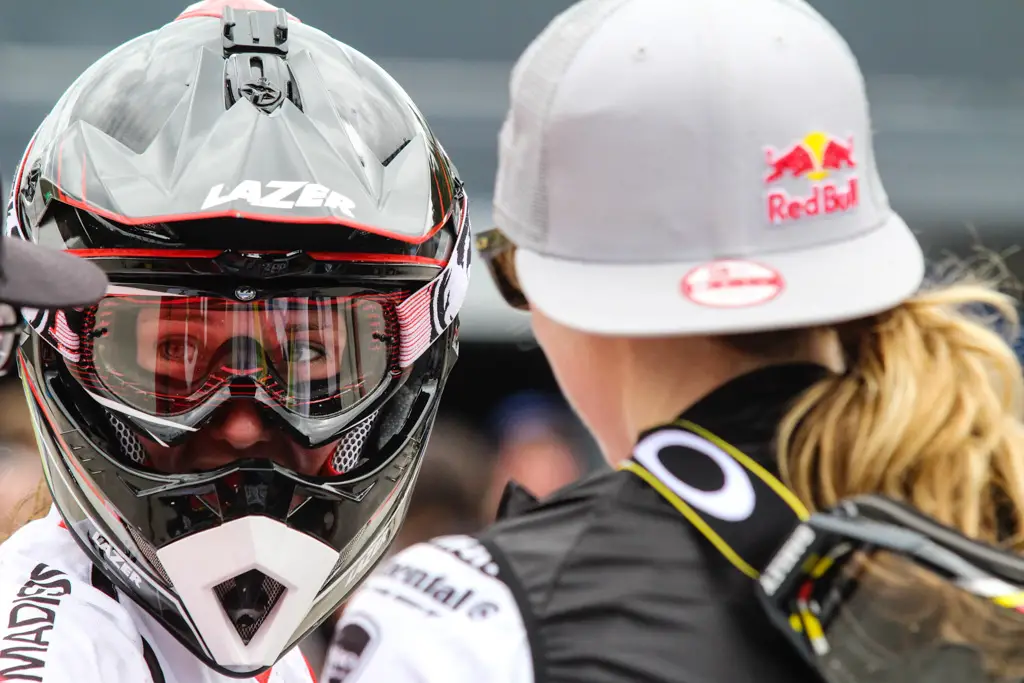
x,y
115,558
280,194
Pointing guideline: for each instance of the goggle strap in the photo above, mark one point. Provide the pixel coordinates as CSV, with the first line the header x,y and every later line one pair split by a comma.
x,y
744,519
431,310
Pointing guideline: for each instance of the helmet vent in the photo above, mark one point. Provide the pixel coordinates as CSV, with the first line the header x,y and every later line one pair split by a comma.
x,y
149,552
256,47
247,599
126,439
349,453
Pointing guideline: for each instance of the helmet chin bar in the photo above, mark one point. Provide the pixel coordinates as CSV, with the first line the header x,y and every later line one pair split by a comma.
x,y
191,585
248,584
222,634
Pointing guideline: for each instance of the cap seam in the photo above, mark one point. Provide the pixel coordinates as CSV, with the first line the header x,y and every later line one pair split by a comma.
x,y
753,256
556,96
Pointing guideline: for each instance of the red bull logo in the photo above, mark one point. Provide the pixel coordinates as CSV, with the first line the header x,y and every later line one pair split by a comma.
x,y
816,158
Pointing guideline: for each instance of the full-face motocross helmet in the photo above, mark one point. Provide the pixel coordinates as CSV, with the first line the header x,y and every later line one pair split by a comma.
x,y
233,432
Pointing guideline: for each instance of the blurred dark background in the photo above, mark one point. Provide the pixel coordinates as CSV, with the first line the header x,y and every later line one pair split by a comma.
x,y
947,100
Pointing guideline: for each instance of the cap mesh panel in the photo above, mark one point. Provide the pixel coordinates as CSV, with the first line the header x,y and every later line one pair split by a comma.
x,y
521,191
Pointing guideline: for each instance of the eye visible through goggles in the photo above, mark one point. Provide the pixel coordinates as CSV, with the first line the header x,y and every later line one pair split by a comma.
x,y
499,253
875,591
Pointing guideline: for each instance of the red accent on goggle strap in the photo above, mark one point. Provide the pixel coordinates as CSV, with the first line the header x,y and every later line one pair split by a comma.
x,y
418,329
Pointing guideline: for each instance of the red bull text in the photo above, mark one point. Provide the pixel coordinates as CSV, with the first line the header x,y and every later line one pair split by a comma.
x,y
815,158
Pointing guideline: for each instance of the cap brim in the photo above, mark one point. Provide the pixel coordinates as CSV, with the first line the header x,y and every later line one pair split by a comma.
x,y
815,286
37,277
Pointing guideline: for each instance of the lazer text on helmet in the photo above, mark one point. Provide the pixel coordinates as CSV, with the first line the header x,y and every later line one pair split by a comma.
x,y
280,194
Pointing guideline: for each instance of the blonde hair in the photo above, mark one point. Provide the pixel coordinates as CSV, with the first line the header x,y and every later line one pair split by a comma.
x,y
928,411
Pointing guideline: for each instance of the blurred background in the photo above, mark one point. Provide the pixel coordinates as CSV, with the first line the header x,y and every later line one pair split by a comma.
x,y
947,100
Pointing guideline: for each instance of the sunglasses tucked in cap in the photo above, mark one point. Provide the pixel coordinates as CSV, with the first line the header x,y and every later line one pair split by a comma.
x,y
697,167
498,254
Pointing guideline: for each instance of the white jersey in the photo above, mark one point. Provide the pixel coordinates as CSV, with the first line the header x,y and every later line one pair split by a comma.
x,y
434,612
58,628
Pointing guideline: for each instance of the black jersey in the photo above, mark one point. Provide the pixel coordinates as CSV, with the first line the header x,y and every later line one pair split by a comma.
x,y
603,582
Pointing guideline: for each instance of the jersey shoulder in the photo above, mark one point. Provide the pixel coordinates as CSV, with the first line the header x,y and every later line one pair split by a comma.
x,y
435,611
596,564
588,524
55,627
452,609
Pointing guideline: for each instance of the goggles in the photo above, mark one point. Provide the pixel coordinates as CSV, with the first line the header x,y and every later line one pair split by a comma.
x,y
316,360
876,591
499,254
167,362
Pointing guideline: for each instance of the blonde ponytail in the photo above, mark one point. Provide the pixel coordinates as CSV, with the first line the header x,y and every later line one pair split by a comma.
x,y
928,411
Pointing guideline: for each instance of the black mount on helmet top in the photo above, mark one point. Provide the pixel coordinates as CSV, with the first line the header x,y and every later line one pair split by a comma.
x,y
255,31
161,131
255,48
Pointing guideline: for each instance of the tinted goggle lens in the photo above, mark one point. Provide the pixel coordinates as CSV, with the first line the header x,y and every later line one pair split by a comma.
x,y
166,355
499,253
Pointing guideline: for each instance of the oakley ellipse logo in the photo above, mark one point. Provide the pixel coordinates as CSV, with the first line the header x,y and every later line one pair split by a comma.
x,y
734,502
280,194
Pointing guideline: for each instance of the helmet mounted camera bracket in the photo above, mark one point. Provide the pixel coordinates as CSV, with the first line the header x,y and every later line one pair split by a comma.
x,y
255,46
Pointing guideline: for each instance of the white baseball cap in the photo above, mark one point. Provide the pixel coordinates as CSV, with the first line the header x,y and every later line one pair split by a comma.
x,y
697,167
